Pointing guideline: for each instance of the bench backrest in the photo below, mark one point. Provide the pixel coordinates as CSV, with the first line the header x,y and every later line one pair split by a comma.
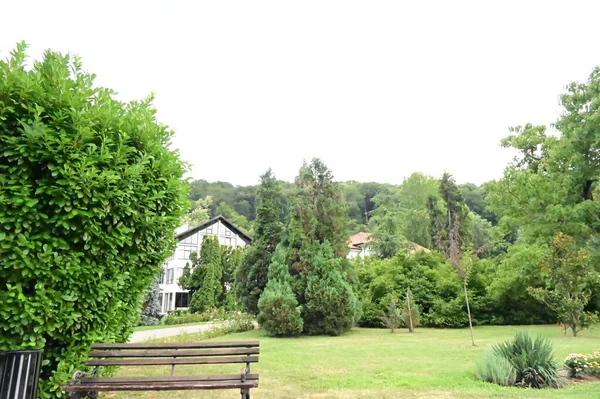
x,y
174,354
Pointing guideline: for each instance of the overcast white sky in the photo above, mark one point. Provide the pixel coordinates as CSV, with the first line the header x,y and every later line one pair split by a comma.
x,y
377,89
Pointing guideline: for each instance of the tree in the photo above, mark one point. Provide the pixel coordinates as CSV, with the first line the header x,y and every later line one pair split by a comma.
x,y
410,314
331,306
392,316
231,259
204,280
279,313
412,207
230,214
387,234
151,309
90,197
570,283
451,234
200,212
252,275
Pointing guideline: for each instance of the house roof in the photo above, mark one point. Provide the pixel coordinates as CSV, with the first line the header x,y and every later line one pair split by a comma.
x,y
359,238
220,218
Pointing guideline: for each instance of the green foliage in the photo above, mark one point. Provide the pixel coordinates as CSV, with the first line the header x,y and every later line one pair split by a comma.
x,y
199,213
251,276
90,196
392,316
185,317
230,214
331,306
151,309
532,360
386,224
279,313
570,282
432,281
496,369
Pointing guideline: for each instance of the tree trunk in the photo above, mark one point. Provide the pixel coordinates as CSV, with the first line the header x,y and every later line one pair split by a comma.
x,y
410,328
469,312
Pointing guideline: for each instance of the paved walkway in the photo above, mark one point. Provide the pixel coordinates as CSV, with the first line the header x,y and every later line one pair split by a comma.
x,y
140,336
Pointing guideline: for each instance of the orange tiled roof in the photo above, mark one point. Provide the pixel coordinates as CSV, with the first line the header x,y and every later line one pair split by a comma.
x,y
359,238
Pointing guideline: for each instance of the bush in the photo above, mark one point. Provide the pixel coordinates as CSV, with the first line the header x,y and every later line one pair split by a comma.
x,y
185,318
90,196
279,313
578,365
496,369
331,306
392,316
371,316
532,360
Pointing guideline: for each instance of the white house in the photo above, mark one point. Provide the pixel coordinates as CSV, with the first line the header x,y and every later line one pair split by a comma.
x,y
172,296
359,245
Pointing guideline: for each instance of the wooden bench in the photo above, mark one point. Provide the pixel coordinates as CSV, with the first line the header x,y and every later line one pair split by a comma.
x,y
167,355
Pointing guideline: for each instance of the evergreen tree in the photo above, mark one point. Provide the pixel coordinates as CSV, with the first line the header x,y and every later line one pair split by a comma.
x,y
317,214
204,281
151,310
251,277
450,232
332,307
279,313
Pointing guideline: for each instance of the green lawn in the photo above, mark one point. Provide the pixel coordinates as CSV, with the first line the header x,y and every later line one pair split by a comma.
x,y
161,326
369,363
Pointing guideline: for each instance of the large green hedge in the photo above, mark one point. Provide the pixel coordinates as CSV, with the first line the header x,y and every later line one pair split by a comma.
x,y
90,196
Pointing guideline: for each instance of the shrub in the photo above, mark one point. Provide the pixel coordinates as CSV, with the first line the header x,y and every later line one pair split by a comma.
x,y
371,316
392,316
279,313
331,306
90,196
185,318
496,369
583,364
532,359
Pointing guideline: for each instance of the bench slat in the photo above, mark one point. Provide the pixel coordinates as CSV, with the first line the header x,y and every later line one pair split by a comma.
x,y
176,353
186,345
165,378
166,361
163,386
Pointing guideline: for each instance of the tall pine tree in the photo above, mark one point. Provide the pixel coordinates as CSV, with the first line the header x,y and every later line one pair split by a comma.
x,y
251,276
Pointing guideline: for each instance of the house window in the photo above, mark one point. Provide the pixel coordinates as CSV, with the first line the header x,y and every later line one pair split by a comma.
x,y
185,252
182,300
160,300
209,230
168,302
227,233
192,240
228,241
170,276
162,277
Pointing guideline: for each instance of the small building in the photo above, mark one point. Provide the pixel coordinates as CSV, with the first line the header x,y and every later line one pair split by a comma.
x,y
172,296
360,245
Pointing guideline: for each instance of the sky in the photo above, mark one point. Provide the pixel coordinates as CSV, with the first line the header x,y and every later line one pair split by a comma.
x,y
376,89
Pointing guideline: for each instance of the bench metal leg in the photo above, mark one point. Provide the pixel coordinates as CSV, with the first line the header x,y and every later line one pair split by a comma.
x,y
245,393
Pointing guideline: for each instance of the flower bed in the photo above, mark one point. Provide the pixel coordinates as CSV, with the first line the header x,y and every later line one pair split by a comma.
x,y
579,365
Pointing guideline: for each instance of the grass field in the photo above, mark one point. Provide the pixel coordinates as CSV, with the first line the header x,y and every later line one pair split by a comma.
x,y
370,363
161,326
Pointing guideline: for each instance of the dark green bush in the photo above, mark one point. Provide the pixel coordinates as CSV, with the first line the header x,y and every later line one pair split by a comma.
x,y
279,313
90,196
532,359
331,306
184,318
